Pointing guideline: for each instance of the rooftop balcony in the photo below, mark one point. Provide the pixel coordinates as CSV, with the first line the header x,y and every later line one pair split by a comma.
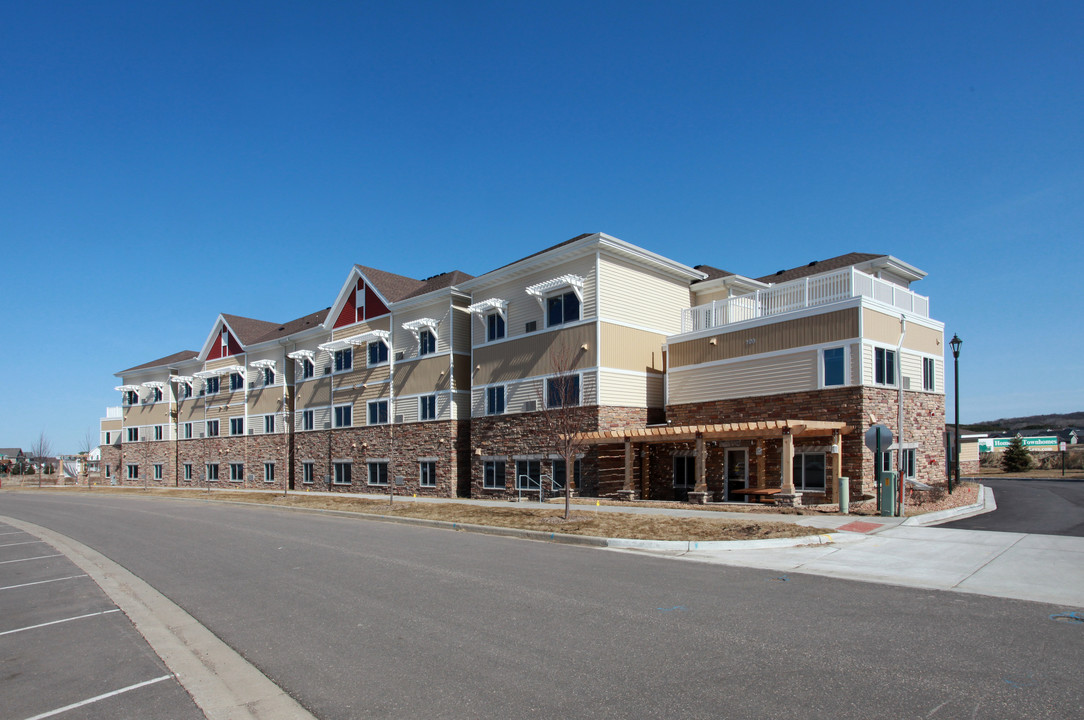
x,y
801,294
114,412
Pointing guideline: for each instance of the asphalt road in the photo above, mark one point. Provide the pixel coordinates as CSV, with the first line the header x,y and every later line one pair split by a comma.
x,y
359,618
1046,507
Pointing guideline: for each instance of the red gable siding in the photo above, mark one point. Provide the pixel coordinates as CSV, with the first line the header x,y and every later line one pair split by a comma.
x,y
373,306
232,346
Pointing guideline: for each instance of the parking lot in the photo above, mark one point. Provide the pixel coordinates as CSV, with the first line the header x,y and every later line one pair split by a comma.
x,y
66,650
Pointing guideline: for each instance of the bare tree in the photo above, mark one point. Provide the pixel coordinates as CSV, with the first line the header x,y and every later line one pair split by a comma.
x,y
88,443
41,449
563,416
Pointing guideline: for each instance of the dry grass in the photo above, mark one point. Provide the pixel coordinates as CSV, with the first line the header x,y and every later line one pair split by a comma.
x,y
1035,473
584,521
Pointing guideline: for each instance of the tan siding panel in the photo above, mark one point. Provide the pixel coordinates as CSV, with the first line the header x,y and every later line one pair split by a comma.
x,y
534,354
224,362
461,372
422,376
813,330
795,372
885,329
624,390
628,349
380,323
629,294
263,401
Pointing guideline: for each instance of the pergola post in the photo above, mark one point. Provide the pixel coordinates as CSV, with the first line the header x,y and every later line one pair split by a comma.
x,y
627,484
699,494
837,462
762,465
787,463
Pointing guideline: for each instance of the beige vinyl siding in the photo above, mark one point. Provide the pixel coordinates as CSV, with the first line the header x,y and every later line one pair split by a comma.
x,y
190,410
785,373
150,414
462,369
885,329
264,400
524,308
362,374
703,298
628,390
969,451
518,394
854,355
630,294
911,370
381,323
404,340
408,407
824,328
423,376
224,362
461,325
624,348
312,395
534,354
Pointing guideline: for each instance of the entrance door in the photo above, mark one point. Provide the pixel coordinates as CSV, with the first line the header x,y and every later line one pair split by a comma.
x,y
737,474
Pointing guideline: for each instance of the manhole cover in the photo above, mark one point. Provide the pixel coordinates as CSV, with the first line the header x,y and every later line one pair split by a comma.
x,y
1069,617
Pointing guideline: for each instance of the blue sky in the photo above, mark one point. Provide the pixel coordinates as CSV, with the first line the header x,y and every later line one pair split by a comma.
x,y
161,163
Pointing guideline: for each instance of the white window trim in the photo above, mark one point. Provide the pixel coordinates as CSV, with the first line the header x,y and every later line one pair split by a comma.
x,y
848,350
546,390
369,412
242,419
504,400
335,407
232,466
265,467
421,401
369,462
336,463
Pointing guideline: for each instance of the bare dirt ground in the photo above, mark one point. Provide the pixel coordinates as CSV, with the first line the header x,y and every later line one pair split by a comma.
x,y
583,521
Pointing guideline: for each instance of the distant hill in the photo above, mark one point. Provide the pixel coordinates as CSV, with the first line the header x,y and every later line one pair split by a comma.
x,y
1031,422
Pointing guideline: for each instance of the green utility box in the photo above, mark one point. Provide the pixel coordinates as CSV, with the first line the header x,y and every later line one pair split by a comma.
x,y
886,482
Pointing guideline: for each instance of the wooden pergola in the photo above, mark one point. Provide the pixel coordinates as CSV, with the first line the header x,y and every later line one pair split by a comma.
x,y
760,431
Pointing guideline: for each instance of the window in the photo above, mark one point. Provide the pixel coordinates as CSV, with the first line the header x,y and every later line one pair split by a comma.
x,y
307,472
237,472
269,423
188,431
186,390
378,353
809,471
269,472
563,391
236,383
344,415
133,472
308,419
344,360
929,381
109,471
212,472
427,407
835,372
493,477
495,400
378,472
307,369
562,309
427,342
156,394
427,473
528,474
685,472
224,342
131,397
884,366
886,461
211,385
107,438
268,376
157,469
157,432
342,474
494,327
559,474
237,426
378,412
188,471
212,428
133,434
908,461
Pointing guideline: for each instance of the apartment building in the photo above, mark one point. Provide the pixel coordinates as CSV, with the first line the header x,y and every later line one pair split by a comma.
x,y
687,383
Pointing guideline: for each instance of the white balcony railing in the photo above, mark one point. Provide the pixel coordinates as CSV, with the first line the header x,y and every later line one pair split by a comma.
x,y
113,412
800,294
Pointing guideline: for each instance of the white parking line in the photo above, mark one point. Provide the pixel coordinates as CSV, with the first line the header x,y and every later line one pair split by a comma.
x,y
28,542
56,622
42,582
39,557
88,701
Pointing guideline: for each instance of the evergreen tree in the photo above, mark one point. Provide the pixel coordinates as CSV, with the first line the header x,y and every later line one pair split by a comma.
x,y
1016,457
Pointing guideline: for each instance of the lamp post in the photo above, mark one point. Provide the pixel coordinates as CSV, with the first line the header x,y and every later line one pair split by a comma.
x,y
955,343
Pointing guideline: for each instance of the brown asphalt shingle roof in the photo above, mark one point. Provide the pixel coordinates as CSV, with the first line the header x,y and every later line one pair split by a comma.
x,y
819,266
167,360
289,328
249,330
712,272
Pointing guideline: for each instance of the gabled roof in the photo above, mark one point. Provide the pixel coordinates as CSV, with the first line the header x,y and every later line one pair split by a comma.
x,y
712,273
162,362
294,326
819,266
391,286
11,452
248,330
439,282
546,250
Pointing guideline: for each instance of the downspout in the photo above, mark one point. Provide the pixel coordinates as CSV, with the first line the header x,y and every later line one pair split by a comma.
x,y
899,420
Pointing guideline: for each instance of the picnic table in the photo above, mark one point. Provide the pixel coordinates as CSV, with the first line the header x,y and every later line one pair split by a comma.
x,y
761,495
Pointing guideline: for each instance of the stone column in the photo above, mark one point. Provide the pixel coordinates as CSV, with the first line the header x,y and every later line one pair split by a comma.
x,y
787,463
699,494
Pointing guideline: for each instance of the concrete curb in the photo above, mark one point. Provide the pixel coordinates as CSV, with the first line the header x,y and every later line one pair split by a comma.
x,y
985,505
223,684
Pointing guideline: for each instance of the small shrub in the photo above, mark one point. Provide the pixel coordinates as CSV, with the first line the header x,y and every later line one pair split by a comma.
x,y
1016,457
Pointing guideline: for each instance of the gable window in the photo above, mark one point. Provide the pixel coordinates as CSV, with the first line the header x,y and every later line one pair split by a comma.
x,y
835,371
307,472
495,400
188,471
157,468
212,472
237,472
308,419
157,432
809,471
528,474
269,472
344,360
378,353
237,426
884,366
378,472
563,391
929,380
427,407
269,423
308,369
344,416
212,428
684,472
427,342
133,472
133,434
494,327
188,431
427,473
236,383
559,474
211,385
224,342
268,376
378,412
343,473
561,309
493,477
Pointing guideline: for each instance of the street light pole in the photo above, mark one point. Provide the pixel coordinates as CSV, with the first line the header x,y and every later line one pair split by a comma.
x,y
955,343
